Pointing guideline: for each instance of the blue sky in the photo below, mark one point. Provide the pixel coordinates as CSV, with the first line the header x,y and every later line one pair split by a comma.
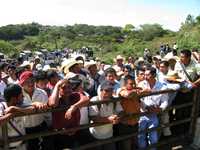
x,y
168,13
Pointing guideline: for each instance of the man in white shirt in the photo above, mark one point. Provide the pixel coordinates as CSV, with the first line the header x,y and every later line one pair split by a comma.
x,y
164,70
12,75
191,67
188,70
13,104
32,95
104,113
110,75
152,104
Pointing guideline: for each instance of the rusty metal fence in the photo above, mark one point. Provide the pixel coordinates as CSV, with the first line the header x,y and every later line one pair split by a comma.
x,y
192,120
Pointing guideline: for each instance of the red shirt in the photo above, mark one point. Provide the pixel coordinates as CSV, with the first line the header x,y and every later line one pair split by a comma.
x,y
58,118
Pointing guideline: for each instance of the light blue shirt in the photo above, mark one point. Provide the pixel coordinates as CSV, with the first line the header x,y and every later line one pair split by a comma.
x,y
160,100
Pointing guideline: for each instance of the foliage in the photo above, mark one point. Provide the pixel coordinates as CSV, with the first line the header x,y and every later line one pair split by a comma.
x,y
6,47
106,41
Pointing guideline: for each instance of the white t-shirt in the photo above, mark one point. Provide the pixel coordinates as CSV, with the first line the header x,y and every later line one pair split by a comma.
x,y
104,131
11,81
39,95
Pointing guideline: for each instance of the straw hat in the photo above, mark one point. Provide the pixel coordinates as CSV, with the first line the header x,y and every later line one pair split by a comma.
x,y
171,57
119,57
173,77
140,59
68,64
89,63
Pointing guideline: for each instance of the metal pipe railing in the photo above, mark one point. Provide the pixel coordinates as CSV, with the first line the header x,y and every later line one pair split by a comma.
x,y
193,117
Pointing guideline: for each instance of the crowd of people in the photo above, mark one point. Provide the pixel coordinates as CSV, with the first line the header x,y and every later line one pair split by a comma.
x,y
29,87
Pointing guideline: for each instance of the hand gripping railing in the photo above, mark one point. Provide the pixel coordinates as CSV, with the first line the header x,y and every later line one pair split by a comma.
x,y
195,104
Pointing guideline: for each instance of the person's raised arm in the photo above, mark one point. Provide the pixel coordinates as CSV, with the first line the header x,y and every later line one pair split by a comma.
x,y
84,101
54,98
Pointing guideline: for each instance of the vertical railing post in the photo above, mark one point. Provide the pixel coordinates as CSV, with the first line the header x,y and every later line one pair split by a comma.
x,y
194,112
5,136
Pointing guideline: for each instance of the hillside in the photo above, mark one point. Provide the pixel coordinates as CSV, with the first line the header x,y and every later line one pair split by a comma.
x,y
106,41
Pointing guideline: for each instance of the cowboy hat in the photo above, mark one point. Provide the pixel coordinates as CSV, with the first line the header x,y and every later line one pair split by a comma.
x,y
89,63
173,77
68,64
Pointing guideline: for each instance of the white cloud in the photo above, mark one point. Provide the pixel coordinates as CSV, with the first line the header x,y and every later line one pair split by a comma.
x,y
96,12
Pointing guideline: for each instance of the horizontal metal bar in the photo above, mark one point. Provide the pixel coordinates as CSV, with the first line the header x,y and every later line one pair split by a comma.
x,y
53,132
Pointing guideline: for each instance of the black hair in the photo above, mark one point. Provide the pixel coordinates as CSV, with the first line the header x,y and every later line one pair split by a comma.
x,y
186,52
79,58
11,67
128,77
110,71
139,69
51,74
40,75
128,67
3,65
19,71
194,50
166,63
174,52
152,71
12,90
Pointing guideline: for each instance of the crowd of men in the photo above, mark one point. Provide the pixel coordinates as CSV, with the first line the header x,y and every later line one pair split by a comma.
x,y
28,87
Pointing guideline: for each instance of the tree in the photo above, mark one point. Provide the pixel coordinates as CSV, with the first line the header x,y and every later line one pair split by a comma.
x,y
128,28
6,47
150,31
198,19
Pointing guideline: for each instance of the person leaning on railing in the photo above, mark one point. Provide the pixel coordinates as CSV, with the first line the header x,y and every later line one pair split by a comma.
x,y
63,95
131,104
189,71
104,113
34,123
13,105
152,104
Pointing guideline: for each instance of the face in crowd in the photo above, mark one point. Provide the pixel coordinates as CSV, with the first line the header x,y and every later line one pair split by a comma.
x,y
184,59
141,76
149,75
65,90
29,85
164,67
42,83
119,62
106,94
93,69
130,84
111,77
75,68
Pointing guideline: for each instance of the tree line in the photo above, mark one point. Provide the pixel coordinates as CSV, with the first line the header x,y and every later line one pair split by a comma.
x,y
109,39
